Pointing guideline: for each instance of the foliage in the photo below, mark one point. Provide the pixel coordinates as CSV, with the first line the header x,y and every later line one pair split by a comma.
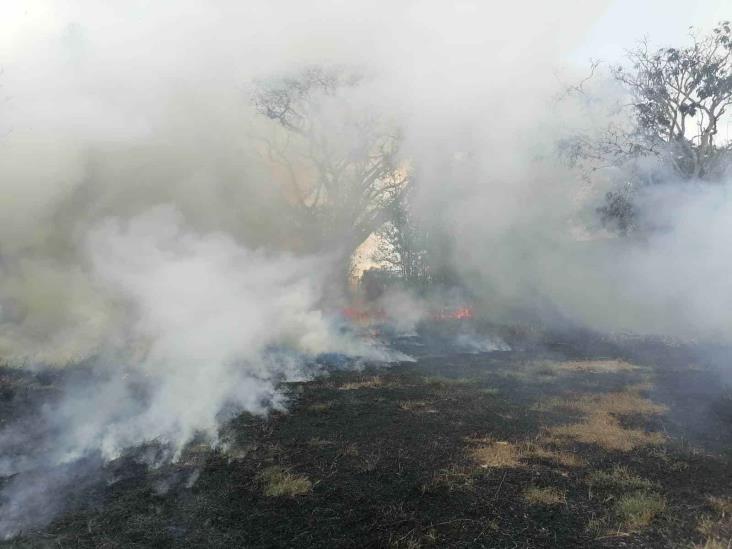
x,y
618,212
678,99
679,96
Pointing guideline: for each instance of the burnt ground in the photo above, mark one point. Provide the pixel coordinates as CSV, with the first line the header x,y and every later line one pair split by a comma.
x,y
568,444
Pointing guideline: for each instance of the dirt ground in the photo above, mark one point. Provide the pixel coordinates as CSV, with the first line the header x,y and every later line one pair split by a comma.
x,y
598,444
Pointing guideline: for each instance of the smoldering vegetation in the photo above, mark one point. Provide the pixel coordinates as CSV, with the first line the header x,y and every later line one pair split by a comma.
x,y
223,224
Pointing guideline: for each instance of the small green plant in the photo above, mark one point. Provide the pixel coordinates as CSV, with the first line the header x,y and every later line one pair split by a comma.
x,y
619,479
639,509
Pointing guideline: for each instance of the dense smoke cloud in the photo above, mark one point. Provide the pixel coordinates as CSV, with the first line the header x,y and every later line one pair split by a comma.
x,y
203,329
526,237
112,111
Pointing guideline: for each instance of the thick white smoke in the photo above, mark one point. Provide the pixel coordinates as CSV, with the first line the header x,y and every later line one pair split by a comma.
x,y
200,321
206,310
203,328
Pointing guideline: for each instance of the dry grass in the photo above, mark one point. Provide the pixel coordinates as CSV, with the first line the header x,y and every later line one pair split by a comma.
x,y
317,442
669,459
537,371
492,453
370,462
550,495
416,406
605,431
707,526
723,506
350,449
560,457
597,526
277,481
601,424
497,454
373,382
531,372
320,407
598,366
714,543
442,382
638,509
623,403
451,479
717,529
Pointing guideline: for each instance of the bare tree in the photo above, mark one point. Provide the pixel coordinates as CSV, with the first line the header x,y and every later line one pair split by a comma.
x,y
340,162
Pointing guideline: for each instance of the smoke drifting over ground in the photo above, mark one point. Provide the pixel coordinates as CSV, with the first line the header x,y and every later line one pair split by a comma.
x,y
140,228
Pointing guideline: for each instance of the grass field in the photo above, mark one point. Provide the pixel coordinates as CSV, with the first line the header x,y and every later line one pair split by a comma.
x,y
557,447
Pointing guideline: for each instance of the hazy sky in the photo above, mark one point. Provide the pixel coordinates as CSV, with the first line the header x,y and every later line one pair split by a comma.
x,y
665,22
622,23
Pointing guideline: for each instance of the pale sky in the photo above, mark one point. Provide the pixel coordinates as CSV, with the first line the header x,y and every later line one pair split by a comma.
x,y
621,25
665,22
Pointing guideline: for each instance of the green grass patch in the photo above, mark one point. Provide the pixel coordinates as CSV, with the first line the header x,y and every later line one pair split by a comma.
x,y
620,479
638,509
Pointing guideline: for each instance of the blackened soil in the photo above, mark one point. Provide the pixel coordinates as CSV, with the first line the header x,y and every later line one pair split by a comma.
x,y
390,455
